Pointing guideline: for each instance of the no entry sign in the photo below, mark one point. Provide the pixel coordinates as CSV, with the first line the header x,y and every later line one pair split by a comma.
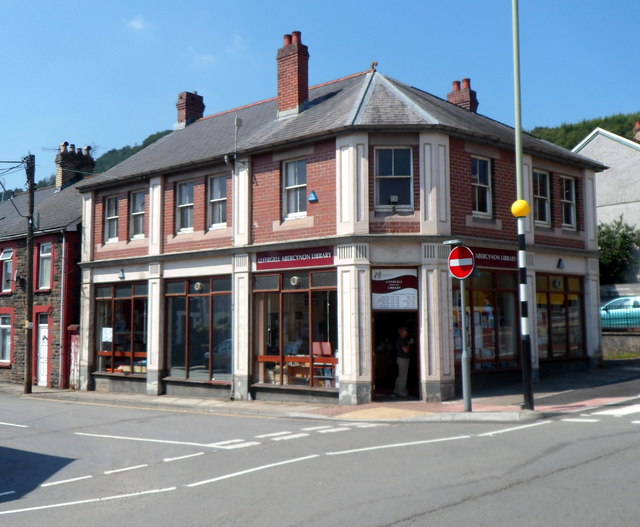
x,y
461,262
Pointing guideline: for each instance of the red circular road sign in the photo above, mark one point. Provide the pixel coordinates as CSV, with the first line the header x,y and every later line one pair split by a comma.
x,y
461,262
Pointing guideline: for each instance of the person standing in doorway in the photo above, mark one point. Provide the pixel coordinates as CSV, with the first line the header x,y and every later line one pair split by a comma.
x,y
404,346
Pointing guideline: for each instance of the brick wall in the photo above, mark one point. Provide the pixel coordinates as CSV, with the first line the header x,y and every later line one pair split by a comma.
x,y
267,197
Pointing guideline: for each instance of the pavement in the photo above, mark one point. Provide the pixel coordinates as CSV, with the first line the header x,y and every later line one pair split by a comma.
x,y
569,393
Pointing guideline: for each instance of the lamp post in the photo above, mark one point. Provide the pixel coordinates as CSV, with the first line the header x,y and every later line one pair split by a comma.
x,y
520,209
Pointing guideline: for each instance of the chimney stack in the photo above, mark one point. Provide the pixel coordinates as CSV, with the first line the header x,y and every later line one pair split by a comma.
x,y
293,75
636,131
464,97
190,108
72,164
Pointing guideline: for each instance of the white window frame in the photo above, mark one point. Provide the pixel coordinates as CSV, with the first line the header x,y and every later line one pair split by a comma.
x,y
184,205
5,338
541,197
481,188
111,205
45,265
296,190
568,202
217,204
137,215
384,203
6,273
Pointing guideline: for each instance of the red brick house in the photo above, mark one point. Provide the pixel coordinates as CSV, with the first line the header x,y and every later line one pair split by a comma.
x,y
56,275
272,251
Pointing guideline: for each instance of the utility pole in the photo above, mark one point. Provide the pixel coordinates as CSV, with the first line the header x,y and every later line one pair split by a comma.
x,y
30,168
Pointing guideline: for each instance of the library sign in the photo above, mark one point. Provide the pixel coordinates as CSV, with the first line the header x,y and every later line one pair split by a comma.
x,y
394,289
309,257
488,257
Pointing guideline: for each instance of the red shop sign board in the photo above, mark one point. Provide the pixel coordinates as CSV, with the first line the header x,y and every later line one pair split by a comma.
x,y
308,257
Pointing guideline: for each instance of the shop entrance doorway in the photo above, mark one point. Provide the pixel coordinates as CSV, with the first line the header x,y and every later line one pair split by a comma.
x,y
385,331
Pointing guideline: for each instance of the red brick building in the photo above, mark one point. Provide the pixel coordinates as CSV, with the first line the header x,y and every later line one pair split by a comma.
x,y
56,276
272,251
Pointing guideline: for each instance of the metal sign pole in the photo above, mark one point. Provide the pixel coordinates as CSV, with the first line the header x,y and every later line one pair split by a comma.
x,y
466,356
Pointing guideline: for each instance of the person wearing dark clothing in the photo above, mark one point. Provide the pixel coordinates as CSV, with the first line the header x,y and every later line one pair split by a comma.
x,y
404,347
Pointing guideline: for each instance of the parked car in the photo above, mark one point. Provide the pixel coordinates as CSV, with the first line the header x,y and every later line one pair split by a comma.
x,y
621,313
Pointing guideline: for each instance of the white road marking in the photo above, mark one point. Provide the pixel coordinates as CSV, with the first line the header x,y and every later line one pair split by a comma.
x,y
233,444
273,434
620,411
331,430
7,493
169,459
90,500
314,428
291,436
125,469
62,481
580,420
635,422
514,429
396,445
147,440
250,470
13,424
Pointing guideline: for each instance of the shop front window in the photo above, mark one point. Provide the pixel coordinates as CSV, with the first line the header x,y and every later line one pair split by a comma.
x,y
121,328
560,319
295,329
492,326
199,345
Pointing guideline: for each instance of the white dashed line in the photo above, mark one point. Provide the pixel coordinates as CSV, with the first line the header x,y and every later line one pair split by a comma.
x,y
286,438
63,481
514,429
13,424
170,459
580,420
620,411
273,434
7,493
332,430
125,469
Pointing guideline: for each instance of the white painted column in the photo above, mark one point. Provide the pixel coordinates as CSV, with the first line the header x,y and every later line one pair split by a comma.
x,y
355,369
155,330
85,364
241,203
352,184
241,326
435,193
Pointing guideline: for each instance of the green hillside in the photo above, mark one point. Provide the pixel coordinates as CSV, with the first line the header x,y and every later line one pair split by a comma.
x,y
569,135
117,155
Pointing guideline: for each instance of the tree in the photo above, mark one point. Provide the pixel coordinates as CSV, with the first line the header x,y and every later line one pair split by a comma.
x,y
619,246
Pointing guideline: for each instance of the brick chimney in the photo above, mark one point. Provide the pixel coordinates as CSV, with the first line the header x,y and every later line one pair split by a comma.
x,y
72,165
636,131
190,108
464,97
293,75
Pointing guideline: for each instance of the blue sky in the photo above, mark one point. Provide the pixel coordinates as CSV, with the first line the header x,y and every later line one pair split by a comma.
x,y
108,74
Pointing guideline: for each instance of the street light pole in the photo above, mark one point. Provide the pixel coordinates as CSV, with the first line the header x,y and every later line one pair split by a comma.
x,y
520,209
30,167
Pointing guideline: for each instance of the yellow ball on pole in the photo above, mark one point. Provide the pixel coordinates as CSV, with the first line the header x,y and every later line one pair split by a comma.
x,y
520,208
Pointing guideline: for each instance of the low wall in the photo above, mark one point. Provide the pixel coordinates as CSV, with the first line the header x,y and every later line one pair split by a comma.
x,y
620,344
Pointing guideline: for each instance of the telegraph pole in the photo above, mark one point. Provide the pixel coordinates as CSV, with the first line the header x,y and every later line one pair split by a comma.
x,y
30,168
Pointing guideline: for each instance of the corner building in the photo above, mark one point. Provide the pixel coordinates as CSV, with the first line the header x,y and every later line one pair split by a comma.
x,y
272,251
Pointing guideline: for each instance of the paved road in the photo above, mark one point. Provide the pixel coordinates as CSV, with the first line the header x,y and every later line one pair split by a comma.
x,y
86,464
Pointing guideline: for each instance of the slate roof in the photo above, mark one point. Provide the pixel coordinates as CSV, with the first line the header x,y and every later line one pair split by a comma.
x,y
365,101
53,211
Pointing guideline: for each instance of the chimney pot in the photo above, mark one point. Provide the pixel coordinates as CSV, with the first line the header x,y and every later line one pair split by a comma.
x,y
296,37
466,84
456,85
287,39
636,131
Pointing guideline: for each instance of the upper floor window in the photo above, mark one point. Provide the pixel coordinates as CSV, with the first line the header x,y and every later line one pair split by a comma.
x,y
295,188
217,195
394,178
541,197
5,338
568,200
184,210
111,219
136,221
44,266
6,257
481,182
